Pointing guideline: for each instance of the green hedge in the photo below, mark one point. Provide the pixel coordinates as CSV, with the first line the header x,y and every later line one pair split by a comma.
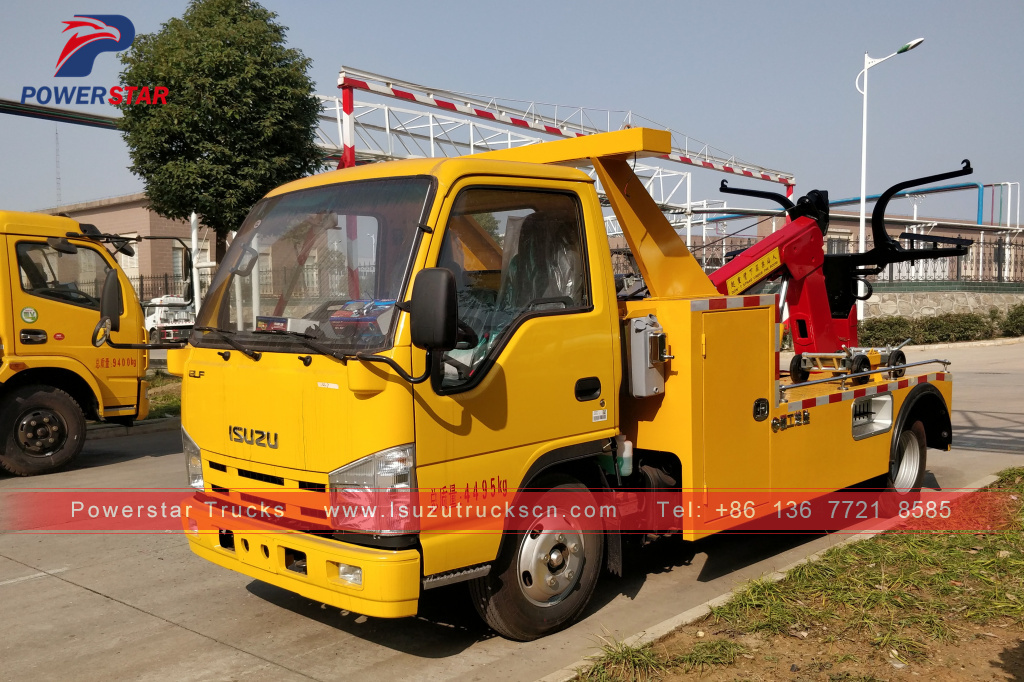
x,y
945,328
1013,323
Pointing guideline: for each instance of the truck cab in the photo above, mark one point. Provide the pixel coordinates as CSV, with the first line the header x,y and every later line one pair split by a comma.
x,y
52,377
445,335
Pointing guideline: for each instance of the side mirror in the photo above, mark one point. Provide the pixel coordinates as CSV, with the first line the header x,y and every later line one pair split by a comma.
x,y
122,246
434,310
110,300
246,262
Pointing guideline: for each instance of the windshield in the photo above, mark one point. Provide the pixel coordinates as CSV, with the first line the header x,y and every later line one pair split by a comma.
x,y
328,262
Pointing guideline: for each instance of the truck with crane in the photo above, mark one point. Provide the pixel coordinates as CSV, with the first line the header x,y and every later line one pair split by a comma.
x,y
447,333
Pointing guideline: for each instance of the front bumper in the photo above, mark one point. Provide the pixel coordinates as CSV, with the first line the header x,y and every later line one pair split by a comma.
x,y
391,579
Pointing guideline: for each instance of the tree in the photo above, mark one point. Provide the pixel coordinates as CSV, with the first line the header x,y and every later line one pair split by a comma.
x,y
240,115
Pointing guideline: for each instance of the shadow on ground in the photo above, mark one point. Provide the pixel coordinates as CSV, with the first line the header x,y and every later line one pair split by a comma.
x,y
989,431
1011,660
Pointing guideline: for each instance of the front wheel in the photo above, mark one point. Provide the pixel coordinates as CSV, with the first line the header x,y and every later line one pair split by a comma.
x,y
42,428
545,576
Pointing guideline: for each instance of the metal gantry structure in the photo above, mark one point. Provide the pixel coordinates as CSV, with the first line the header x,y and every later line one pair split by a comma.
x,y
448,123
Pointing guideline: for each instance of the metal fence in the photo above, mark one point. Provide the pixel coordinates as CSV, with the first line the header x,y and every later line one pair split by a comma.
x,y
999,259
991,260
153,286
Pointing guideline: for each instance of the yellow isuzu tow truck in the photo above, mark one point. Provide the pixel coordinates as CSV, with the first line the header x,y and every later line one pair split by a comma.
x,y
52,377
447,333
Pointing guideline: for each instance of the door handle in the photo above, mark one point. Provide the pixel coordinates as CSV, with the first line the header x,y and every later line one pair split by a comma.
x,y
33,336
588,388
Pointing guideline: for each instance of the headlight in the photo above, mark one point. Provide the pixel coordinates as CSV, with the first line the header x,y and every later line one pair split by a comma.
x,y
375,494
193,461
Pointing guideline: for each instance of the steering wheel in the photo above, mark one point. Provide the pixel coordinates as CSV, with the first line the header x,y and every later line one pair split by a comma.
x,y
467,337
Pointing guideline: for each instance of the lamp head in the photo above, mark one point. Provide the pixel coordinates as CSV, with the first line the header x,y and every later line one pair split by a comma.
x,y
910,46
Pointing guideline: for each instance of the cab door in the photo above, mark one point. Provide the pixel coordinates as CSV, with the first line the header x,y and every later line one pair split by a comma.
x,y
535,369
55,298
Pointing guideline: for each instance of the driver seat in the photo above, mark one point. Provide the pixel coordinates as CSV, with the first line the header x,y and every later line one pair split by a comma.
x,y
547,264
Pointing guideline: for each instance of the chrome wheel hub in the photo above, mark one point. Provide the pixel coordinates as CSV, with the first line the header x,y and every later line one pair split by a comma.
x,y
903,468
549,561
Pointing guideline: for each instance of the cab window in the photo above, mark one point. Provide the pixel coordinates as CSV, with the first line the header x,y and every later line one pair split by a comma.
x,y
75,278
515,254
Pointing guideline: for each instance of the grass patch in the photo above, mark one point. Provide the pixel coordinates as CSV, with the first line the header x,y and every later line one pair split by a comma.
x,y
164,396
899,590
716,652
619,661
863,610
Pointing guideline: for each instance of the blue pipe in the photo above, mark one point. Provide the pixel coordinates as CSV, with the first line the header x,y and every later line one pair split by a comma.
x,y
931,190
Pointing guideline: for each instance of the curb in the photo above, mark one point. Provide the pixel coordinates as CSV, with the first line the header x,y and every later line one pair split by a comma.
x,y
101,431
669,625
970,344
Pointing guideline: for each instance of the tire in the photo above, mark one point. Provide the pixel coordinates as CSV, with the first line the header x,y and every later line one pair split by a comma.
x,y
154,336
896,358
42,428
521,605
859,363
908,460
796,370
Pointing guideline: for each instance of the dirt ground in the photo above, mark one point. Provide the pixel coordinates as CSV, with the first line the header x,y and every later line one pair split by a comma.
x,y
991,652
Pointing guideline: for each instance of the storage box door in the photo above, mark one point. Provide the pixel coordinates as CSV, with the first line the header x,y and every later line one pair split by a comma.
x,y
737,372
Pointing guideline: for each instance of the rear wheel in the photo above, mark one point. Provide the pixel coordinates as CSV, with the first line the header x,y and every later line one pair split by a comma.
x,y
544,577
908,459
42,428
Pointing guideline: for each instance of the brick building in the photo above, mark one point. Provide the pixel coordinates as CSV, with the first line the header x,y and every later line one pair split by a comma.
x,y
156,267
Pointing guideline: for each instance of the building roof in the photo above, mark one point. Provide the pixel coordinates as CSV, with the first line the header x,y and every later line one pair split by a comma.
x,y
108,202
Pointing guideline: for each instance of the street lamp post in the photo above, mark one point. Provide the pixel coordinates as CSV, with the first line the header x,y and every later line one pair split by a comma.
x,y
868,63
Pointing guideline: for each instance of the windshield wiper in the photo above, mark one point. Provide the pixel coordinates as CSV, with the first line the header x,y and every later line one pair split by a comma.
x,y
307,341
311,343
225,335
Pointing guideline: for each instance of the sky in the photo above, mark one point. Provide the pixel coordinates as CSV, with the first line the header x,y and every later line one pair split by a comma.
x,y
772,83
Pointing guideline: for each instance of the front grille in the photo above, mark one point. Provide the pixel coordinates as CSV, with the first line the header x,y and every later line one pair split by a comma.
x,y
265,478
218,467
315,487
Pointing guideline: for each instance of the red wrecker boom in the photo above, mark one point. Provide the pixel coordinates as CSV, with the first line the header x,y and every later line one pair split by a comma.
x,y
818,289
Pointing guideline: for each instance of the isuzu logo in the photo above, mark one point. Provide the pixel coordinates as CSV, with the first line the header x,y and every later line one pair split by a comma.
x,y
257,437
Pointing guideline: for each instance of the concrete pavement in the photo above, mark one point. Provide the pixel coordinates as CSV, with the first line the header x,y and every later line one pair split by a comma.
x,y
143,607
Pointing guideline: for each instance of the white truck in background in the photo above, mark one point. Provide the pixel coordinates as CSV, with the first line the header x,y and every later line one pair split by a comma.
x,y
166,322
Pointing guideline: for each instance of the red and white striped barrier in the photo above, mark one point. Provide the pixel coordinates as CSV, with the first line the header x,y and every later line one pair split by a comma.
x,y
730,302
385,87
